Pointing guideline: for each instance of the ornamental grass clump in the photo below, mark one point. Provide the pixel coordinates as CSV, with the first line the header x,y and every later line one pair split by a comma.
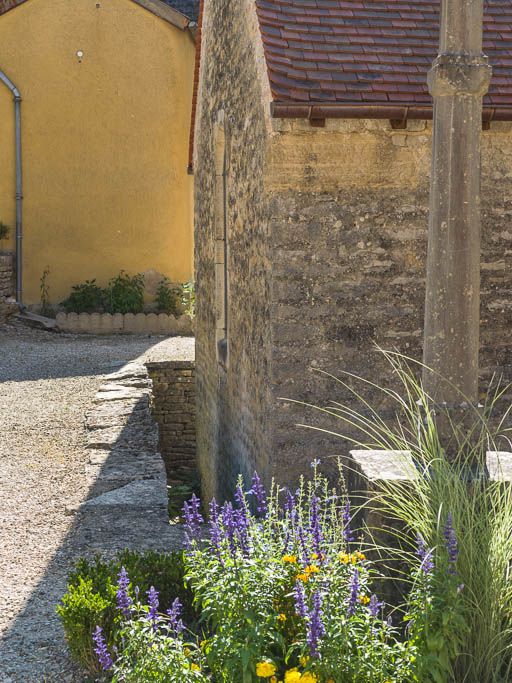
x,y
448,514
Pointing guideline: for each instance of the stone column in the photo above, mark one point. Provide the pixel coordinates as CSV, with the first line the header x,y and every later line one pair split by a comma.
x,y
458,80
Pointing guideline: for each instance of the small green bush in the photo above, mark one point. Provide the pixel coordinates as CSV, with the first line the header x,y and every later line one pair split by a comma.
x,y
167,298
4,231
125,293
90,600
85,298
188,298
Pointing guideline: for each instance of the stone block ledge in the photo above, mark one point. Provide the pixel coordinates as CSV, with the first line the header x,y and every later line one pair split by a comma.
x,y
128,323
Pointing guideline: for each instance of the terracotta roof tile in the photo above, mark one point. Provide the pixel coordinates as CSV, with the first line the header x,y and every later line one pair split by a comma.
x,y
353,52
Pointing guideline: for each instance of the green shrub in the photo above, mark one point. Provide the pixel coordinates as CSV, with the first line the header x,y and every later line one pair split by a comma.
x,y
4,231
167,298
90,600
188,298
85,298
125,293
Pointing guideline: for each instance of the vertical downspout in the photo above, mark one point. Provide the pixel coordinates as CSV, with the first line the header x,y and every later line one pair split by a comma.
x,y
19,187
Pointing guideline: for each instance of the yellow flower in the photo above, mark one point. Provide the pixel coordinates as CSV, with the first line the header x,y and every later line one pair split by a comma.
x,y
265,669
360,556
344,558
292,676
273,679
186,651
281,617
303,660
364,599
308,677
292,559
312,569
195,667
302,577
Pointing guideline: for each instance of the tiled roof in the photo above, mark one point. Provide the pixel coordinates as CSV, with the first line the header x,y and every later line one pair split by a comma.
x,y
368,53
190,8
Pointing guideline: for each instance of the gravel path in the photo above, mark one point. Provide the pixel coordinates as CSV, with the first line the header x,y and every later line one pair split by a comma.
x,y
47,383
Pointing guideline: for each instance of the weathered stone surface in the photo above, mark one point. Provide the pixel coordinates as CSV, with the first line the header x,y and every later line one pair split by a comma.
x,y
7,303
173,406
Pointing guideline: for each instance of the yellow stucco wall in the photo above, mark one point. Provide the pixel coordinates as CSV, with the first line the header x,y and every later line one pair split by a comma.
x,y
104,141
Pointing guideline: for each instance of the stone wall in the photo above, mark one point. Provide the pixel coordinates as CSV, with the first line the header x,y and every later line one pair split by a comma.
x,y
233,399
349,268
173,404
7,304
6,275
128,323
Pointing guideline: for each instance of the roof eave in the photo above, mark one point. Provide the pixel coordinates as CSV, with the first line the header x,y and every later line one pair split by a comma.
x,y
165,12
399,112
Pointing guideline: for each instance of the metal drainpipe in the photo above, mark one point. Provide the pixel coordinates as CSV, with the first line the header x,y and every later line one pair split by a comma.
x,y
19,187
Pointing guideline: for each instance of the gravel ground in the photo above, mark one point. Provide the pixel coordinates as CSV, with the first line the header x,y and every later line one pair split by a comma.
x,y
47,383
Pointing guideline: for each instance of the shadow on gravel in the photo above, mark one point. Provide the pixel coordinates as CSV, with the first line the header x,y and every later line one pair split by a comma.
x,y
33,649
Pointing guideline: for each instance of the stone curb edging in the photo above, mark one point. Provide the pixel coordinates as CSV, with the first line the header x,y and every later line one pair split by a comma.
x,y
128,323
127,504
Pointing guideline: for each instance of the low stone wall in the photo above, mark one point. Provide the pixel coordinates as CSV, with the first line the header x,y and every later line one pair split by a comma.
x,y
6,275
142,323
7,303
174,409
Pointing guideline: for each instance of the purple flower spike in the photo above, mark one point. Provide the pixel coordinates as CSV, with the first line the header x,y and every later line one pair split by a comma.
x,y
451,543
175,623
347,521
101,649
229,523
193,519
124,601
354,592
315,529
258,491
153,606
374,606
316,628
425,555
300,600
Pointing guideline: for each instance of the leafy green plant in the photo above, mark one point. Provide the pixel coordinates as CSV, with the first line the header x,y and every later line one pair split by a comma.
x,y
90,599
167,297
125,293
188,298
87,297
473,644
180,492
4,231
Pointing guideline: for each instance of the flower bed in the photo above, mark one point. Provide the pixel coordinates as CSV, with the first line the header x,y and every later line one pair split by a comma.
x,y
287,594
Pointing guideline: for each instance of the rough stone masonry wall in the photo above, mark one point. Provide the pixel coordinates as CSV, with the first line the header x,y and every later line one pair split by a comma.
x,y
173,404
349,236
6,284
232,403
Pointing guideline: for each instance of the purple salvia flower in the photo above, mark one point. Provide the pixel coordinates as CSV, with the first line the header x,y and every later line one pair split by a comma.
x,y
300,600
193,519
229,523
374,606
153,606
258,491
242,520
101,649
451,543
316,628
175,623
347,521
303,543
425,555
315,529
124,601
354,592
